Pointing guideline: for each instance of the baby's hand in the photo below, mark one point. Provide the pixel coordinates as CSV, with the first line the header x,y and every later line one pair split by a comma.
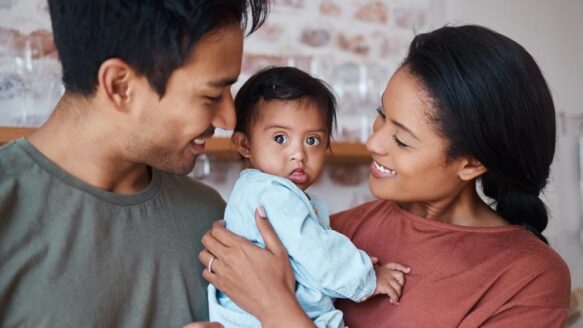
x,y
390,280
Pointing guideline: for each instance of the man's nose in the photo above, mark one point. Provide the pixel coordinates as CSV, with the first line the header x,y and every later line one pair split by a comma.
x,y
225,118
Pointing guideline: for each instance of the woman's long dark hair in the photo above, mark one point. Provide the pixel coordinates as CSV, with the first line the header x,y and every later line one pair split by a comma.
x,y
492,103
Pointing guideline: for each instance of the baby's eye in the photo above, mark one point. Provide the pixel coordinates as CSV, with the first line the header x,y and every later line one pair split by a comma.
x,y
313,141
280,138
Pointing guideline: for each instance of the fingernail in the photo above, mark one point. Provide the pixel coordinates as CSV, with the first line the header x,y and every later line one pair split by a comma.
x,y
261,211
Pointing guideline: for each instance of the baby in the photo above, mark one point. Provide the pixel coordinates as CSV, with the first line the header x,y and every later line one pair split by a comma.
x,y
285,120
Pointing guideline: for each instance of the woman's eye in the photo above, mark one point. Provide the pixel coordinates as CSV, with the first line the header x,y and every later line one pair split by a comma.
x,y
280,138
313,141
399,142
381,112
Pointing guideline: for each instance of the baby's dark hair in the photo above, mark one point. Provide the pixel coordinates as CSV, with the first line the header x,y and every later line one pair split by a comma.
x,y
284,84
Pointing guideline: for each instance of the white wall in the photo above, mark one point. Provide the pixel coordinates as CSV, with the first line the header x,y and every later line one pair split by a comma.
x,y
552,31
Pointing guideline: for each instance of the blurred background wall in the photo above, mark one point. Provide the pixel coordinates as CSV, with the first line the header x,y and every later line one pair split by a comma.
x,y
354,45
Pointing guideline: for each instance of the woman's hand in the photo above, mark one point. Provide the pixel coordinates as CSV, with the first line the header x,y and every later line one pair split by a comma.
x,y
258,280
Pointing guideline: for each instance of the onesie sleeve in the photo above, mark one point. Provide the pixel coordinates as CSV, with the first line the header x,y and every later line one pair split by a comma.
x,y
321,257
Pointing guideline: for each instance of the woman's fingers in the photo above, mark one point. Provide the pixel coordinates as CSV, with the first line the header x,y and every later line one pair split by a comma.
x,y
212,279
253,277
213,245
224,236
269,236
274,245
205,257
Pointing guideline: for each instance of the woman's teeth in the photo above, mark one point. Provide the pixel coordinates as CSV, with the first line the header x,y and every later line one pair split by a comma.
x,y
383,169
200,141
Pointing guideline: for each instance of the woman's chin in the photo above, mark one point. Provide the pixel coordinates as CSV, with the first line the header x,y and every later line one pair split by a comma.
x,y
380,190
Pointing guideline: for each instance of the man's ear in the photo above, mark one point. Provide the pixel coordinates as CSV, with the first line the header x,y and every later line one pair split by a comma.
x,y
115,78
471,168
240,140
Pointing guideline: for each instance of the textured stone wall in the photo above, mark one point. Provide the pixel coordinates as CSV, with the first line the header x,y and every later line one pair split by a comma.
x,y
354,45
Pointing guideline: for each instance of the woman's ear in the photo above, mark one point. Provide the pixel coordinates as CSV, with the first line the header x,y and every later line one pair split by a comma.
x,y
470,169
240,140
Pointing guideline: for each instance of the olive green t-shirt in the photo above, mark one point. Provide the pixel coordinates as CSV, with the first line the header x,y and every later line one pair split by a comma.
x,y
72,255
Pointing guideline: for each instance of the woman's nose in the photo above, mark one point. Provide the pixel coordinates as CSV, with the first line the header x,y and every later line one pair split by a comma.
x,y
377,143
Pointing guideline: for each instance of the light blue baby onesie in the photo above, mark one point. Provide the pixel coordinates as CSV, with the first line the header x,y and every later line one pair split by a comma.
x,y
326,264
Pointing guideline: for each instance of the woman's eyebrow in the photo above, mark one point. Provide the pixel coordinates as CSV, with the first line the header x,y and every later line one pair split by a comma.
x,y
400,125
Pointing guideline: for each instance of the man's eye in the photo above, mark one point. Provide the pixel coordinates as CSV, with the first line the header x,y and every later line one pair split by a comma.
x,y
214,99
313,141
280,138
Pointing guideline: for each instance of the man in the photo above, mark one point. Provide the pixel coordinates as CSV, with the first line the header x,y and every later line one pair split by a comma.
x,y
97,227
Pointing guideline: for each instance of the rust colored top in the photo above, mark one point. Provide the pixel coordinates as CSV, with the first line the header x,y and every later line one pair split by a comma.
x,y
461,276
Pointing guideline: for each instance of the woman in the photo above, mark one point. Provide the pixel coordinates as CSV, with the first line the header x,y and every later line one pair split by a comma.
x,y
467,107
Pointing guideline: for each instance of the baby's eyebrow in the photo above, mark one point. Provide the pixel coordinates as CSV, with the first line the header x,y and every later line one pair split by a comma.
x,y
276,126
318,130
283,127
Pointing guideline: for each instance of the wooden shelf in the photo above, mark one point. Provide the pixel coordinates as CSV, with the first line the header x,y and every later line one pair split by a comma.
x,y
221,148
10,133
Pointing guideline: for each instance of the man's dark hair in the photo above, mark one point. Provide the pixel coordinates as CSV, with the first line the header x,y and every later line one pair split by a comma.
x,y
154,37
285,84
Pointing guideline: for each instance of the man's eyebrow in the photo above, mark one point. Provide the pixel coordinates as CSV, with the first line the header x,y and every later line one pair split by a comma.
x,y
222,82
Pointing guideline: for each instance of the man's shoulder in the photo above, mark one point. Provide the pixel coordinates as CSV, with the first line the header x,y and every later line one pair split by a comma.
x,y
190,191
16,167
186,183
13,160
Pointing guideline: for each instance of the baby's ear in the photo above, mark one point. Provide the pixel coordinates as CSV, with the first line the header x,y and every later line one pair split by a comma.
x,y
240,140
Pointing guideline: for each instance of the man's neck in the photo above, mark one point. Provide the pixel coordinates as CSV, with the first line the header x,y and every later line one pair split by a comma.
x,y
87,146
